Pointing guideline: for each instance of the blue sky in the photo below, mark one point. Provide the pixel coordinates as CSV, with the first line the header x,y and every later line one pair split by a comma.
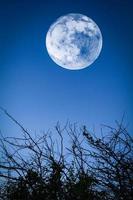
x,y
38,93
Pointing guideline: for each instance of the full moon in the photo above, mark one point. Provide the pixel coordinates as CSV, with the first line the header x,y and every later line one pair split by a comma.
x,y
74,41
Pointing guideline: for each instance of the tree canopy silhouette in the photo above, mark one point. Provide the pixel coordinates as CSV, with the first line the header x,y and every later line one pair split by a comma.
x,y
89,168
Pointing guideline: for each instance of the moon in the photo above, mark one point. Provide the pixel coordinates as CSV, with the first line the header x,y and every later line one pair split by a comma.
x,y
74,41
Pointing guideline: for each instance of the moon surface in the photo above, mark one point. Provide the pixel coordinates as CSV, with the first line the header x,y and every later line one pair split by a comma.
x,y
74,41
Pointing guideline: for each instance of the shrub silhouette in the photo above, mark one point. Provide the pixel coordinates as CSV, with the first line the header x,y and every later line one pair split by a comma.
x,y
38,168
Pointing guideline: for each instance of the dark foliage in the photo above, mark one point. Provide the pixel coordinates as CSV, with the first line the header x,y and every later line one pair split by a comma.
x,y
89,168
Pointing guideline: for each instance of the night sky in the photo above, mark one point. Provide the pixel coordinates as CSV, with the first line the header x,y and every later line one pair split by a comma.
x,y
38,93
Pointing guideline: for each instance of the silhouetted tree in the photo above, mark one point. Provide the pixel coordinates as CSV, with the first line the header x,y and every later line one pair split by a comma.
x,y
41,167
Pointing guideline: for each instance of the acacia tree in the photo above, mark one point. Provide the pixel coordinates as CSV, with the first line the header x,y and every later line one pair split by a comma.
x,y
41,167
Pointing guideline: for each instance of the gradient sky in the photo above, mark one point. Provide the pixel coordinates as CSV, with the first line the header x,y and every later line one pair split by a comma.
x,y
37,92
